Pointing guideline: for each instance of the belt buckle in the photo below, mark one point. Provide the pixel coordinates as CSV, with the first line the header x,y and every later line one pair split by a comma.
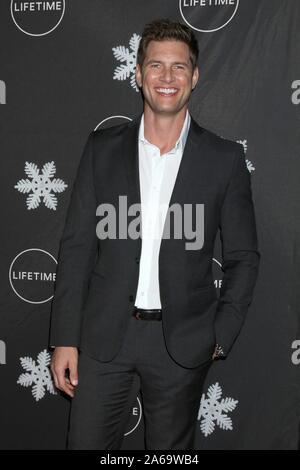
x,y
137,315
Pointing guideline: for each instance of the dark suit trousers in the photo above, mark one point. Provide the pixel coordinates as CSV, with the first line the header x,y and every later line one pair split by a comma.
x,y
170,394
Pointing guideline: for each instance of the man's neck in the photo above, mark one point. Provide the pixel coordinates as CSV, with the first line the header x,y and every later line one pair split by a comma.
x,y
163,130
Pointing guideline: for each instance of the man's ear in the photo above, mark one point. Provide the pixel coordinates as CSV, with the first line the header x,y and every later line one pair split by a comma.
x,y
195,78
138,75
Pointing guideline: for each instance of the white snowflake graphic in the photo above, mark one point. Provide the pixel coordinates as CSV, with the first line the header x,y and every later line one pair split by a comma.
x,y
212,409
250,165
38,374
244,144
123,54
41,185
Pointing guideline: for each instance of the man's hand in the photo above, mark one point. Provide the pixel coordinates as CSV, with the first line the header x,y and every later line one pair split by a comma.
x,y
63,358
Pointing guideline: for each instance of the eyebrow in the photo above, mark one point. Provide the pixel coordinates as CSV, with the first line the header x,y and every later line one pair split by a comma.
x,y
160,62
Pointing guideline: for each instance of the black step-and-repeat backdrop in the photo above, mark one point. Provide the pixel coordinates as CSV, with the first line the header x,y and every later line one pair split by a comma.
x,y
67,67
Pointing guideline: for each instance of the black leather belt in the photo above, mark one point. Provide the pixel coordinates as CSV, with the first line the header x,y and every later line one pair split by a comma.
x,y
147,314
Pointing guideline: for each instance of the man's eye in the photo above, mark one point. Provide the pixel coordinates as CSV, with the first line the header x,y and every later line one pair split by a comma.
x,y
155,65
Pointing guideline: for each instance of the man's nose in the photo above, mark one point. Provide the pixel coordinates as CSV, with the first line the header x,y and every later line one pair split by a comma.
x,y
167,75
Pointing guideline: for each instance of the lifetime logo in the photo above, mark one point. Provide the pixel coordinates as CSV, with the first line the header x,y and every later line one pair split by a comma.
x,y
2,92
2,352
208,16
37,18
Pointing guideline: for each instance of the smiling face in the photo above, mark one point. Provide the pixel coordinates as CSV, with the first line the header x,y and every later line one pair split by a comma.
x,y
167,76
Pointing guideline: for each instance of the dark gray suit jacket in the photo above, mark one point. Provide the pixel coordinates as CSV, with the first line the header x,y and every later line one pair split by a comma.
x,y
97,279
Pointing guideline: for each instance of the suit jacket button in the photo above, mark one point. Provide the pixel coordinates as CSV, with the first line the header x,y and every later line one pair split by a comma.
x,y
131,298
137,260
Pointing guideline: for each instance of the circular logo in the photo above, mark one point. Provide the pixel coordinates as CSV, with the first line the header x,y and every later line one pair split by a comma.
x,y
37,18
107,121
208,16
32,275
135,417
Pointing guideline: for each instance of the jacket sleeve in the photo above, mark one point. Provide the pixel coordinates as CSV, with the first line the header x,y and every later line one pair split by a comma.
x,y
77,255
239,252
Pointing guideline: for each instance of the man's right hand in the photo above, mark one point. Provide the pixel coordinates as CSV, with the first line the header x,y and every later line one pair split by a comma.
x,y
63,358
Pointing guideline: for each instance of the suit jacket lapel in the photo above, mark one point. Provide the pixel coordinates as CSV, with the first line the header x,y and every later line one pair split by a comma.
x,y
131,160
187,164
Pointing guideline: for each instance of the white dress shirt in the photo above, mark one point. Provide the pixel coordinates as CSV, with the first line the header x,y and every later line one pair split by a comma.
x,y
157,178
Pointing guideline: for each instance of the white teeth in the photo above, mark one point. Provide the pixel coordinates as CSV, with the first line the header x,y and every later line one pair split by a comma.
x,y
166,90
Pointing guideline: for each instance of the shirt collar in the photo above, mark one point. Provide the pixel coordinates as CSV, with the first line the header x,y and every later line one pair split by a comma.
x,y
181,141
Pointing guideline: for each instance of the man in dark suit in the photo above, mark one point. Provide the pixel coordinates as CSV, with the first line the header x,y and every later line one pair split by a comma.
x,y
147,305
